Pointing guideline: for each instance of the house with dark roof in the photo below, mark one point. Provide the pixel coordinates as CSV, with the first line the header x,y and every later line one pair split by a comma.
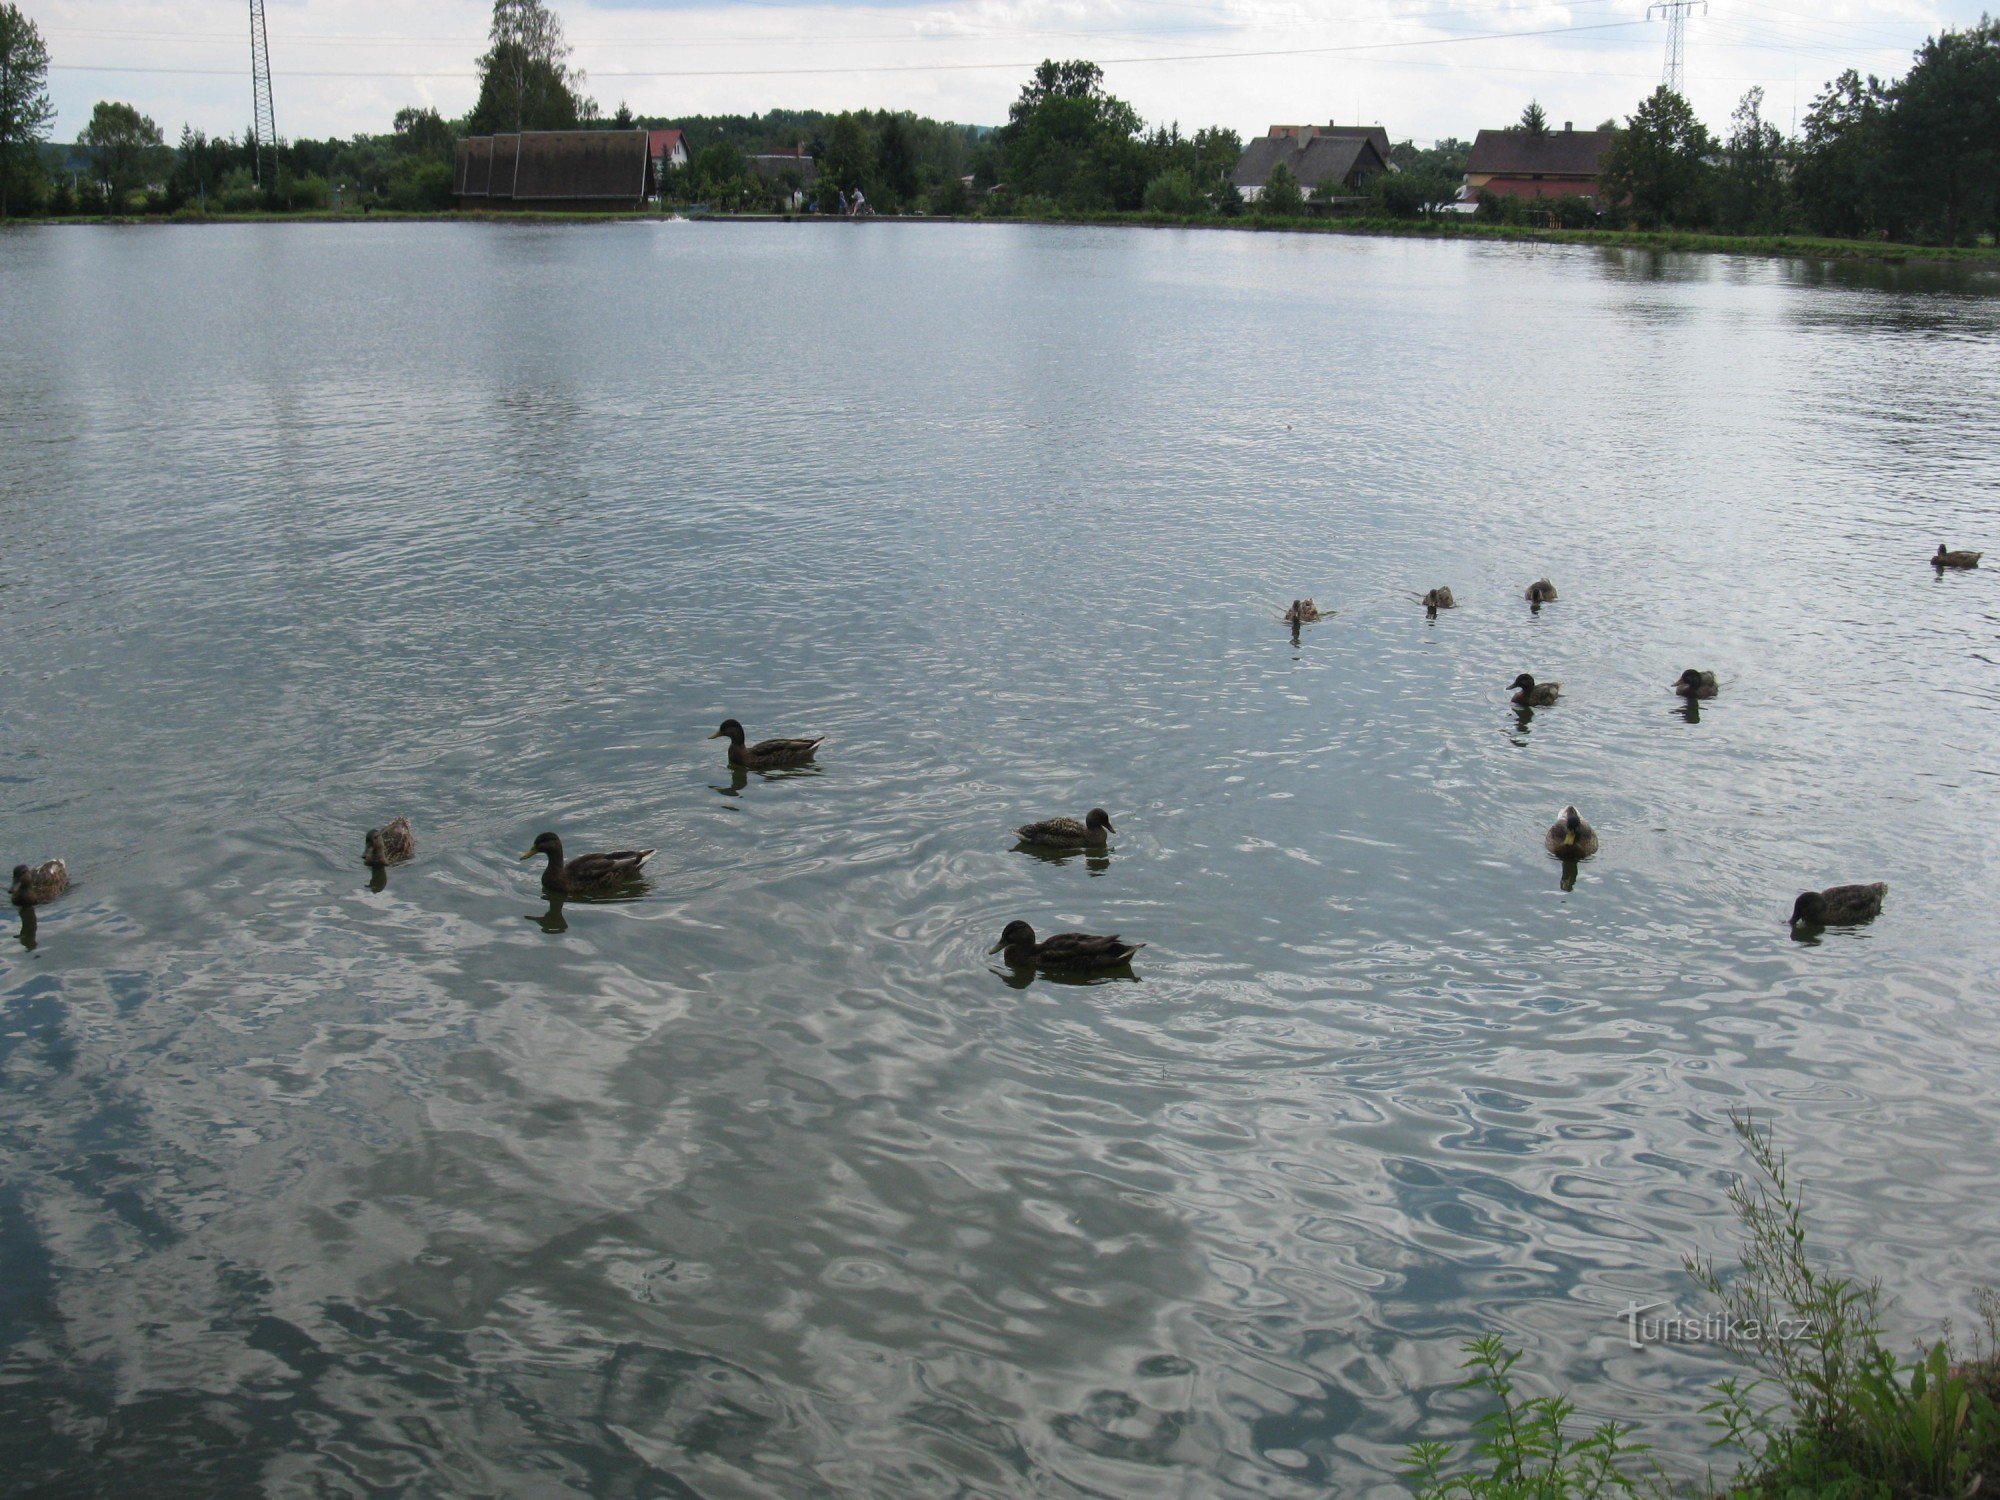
x,y
786,166
562,169
1555,164
1324,165
1377,135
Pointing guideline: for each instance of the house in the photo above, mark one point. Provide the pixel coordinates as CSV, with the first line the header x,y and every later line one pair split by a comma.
x,y
1317,156
668,149
562,169
1377,135
784,165
1554,164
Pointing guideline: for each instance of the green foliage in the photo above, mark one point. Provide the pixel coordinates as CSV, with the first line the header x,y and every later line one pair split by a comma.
x,y
1533,120
1069,141
1447,158
1657,168
1281,198
420,186
1751,196
1410,194
1850,1418
1943,146
896,184
950,198
25,110
1523,1448
126,149
844,165
1839,179
1173,193
422,133
525,82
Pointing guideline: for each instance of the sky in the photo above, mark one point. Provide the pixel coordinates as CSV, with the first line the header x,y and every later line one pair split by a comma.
x,y
1424,68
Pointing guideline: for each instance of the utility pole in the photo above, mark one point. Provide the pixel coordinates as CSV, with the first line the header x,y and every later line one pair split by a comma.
x,y
1676,12
264,148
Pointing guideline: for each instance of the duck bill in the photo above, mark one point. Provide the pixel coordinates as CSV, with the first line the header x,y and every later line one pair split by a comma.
x,y
529,855
718,735
996,947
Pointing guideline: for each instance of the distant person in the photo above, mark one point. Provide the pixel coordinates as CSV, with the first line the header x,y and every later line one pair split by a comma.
x,y
843,201
859,202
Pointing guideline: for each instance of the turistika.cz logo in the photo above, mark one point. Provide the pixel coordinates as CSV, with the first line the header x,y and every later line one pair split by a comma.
x,y
1645,1324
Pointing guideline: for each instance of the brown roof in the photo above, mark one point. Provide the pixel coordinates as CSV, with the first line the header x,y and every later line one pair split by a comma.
x,y
1376,135
1515,153
662,142
1312,160
542,165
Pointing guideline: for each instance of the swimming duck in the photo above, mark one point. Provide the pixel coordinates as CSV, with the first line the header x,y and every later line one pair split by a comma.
x,y
1303,612
1695,684
1529,693
765,755
1541,591
1839,905
37,885
587,874
1944,559
1063,950
391,844
1067,833
1438,599
1569,837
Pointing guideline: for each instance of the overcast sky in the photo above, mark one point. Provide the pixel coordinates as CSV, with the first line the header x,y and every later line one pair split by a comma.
x,y
1424,68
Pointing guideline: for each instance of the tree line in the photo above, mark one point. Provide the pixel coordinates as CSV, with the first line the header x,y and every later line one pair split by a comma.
x,y
1916,158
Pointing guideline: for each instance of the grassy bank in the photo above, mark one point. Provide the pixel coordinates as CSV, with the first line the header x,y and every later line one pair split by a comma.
x,y
1824,1411
1670,240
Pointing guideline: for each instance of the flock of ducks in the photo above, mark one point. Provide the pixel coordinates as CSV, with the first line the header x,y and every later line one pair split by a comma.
x,y
1569,838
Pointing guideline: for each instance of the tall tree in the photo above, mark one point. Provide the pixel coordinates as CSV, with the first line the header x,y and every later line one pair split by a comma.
x,y
1067,140
126,149
844,166
1534,120
1750,192
1944,132
1658,167
525,81
25,110
1839,177
896,163
424,133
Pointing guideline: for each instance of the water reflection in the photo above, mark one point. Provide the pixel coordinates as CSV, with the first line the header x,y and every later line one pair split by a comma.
x,y
28,927
551,919
1689,710
378,879
1570,865
1097,861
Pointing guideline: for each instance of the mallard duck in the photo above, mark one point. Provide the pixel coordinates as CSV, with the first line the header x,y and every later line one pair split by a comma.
x,y
1541,591
1438,599
391,844
1569,837
1303,612
587,874
37,885
1695,684
1067,833
1839,905
765,755
1944,559
1063,950
1529,693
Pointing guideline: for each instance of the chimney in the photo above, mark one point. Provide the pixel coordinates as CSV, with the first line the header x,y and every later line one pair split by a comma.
x,y
1568,126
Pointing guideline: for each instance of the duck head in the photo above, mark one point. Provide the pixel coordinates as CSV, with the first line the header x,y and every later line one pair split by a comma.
x,y
1688,679
377,853
545,843
1523,684
1809,910
1571,822
729,730
1097,817
1016,934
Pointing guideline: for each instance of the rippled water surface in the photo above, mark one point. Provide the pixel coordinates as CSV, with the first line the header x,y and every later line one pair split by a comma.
x,y
765,1183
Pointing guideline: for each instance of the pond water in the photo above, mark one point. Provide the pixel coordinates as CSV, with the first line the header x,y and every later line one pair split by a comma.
x,y
767,1182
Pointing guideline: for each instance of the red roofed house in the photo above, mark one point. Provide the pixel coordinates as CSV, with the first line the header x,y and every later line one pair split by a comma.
x,y
1554,164
669,149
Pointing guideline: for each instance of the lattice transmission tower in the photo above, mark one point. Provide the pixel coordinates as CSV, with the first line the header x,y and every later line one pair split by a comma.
x,y
264,123
1676,12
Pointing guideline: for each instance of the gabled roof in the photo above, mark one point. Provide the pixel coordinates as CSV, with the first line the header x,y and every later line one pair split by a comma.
x,y
1376,135
662,142
1514,153
1313,160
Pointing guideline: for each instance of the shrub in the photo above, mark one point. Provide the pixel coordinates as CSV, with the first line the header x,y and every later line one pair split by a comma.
x,y
1282,197
236,193
950,197
420,186
1173,192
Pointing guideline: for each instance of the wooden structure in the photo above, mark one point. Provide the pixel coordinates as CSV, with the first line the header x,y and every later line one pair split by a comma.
x,y
608,170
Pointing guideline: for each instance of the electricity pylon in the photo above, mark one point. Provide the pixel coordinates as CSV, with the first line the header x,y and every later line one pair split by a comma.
x,y
1676,12
264,123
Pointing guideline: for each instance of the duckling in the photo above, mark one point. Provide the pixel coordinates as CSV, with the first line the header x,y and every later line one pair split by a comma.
x,y
765,755
391,844
1067,833
1541,591
1303,612
1529,693
1944,559
1569,837
1839,905
1064,950
1438,599
37,885
1693,684
587,874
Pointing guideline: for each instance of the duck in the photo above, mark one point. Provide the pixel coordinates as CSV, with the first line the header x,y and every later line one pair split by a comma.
x,y
1529,693
391,844
1062,950
1067,833
1303,612
37,885
1839,905
1694,683
1541,591
1438,599
765,755
1569,837
587,874
1944,559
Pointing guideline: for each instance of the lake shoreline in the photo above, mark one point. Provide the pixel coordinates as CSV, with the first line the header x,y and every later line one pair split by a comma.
x,y
1768,247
